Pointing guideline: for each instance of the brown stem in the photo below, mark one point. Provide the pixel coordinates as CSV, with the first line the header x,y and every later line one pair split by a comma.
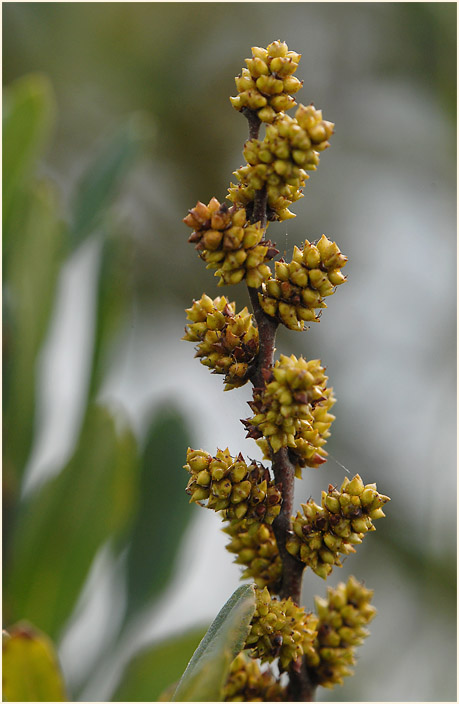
x,y
267,334
284,474
254,122
300,685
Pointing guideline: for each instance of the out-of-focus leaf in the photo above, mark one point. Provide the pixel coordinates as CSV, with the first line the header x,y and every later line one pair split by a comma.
x,y
28,118
100,182
207,670
60,528
30,283
112,301
154,669
31,671
164,510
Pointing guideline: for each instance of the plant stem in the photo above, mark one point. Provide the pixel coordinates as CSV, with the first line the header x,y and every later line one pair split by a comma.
x,y
284,474
267,334
254,122
300,687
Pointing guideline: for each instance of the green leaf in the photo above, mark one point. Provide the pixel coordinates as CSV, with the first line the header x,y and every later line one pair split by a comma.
x,y
30,281
60,528
207,670
99,184
153,670
28,118
163,513
112,301
31,671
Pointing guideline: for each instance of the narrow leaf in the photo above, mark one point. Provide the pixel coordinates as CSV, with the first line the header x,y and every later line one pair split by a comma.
x,y
205,676
154,669
28,118
60,528
30,281
100,182
163,513
112,301
31,671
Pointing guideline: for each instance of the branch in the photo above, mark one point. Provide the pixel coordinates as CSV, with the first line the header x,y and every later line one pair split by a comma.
x,y
254,122
300,686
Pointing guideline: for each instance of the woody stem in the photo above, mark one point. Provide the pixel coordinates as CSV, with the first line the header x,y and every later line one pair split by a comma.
x,y
300,686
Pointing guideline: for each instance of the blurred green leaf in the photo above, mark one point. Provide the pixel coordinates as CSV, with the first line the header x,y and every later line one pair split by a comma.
x,y
60,528
207,670
111,302
28,118
153,670
163,512
30,282
101,180
31,671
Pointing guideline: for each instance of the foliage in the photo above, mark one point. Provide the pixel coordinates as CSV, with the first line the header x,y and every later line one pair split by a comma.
x,y
103,494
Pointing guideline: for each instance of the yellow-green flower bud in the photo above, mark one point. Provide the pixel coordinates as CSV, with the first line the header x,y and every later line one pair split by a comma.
x,y
271,71
228,341
343,617
256,549
228,242
323,533
280,629
230,485
290,148
246,682
299,286
292,411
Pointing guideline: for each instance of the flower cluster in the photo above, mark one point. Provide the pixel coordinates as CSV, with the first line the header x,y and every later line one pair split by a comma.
x,y
281,160
256,549
299,287
228,242
280,628
291,403
292,411
343,616
325,532
247,683
267,84
229,484
228,341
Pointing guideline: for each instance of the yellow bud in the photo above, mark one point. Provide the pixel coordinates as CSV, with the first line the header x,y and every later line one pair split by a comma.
x,y
199,494
260,53
277,48
292,84
356,486
203,478
376,513
269,305
244,82
282,102
336,277
311,255
236,102
267,114
269,85
257,67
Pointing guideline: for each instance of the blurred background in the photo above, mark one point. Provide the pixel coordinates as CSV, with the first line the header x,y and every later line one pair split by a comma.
x,y
128,106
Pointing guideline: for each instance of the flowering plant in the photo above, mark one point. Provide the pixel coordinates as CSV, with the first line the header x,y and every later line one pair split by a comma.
x,y
291,406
